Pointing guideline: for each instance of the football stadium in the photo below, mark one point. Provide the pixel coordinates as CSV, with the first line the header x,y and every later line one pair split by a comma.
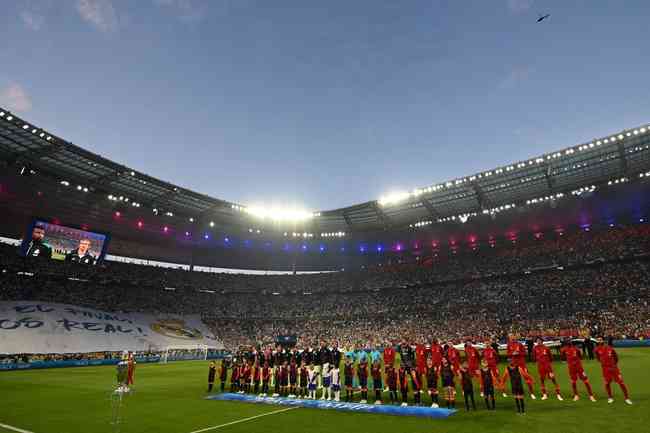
x,y
509,298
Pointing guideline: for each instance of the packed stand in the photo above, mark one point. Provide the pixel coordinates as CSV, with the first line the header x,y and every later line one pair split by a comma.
x,y
569,283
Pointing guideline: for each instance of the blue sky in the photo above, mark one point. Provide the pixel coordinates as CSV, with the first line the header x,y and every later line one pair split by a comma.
x,y
323,104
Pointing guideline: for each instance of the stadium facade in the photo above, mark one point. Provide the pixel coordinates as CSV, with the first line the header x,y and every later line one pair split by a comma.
x,y
602,182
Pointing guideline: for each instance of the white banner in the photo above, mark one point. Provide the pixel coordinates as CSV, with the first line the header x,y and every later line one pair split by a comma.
x,y
44,327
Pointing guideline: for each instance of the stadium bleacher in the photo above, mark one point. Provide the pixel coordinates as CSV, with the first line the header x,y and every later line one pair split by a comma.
x,y
574,284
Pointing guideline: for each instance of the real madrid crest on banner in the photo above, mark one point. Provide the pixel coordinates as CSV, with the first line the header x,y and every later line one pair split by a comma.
x,y
176,328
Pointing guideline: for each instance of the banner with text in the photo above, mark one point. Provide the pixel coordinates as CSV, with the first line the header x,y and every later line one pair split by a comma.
x,y
44,327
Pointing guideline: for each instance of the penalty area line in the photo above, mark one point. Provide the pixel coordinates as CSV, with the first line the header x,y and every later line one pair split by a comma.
x,y
12,428
232,422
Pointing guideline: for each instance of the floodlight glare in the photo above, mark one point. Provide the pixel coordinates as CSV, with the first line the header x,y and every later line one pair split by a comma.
x,y
393,198
279,214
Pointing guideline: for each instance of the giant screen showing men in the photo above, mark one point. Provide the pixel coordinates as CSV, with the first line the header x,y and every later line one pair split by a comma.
x,y
59,242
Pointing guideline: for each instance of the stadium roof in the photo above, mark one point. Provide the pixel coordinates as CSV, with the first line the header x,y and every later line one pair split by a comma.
x,y
619,157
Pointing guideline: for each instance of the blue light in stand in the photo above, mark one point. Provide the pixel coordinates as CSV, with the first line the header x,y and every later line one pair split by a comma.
x,y
226,239
641,220
304,247
342,249
379,248
322,248
206,236
362,249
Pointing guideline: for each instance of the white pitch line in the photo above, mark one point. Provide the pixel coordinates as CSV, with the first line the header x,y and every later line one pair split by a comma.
x,y
10,427
235,422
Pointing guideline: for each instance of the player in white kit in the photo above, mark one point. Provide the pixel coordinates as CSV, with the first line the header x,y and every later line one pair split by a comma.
x,y
335,383
326,381
312,376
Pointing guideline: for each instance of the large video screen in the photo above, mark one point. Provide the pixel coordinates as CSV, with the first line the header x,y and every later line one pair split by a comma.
x,y
46,239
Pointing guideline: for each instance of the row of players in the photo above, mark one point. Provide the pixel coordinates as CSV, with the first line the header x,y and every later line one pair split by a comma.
x,y
294,377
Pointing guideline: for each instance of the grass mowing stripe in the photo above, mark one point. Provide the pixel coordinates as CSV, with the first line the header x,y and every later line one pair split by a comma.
x,y
10,427
239,420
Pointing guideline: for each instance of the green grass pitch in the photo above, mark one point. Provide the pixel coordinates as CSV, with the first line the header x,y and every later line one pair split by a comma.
x,y
169,398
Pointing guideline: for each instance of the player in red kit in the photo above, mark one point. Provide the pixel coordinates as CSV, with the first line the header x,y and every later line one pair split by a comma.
x,y
453,356
473,358
389,359
608,359
544,358
436,353
517,351
420,360
389,355
573,357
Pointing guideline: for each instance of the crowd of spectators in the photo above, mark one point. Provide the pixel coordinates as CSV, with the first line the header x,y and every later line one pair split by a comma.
x,y
174,354
568,283
609,299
